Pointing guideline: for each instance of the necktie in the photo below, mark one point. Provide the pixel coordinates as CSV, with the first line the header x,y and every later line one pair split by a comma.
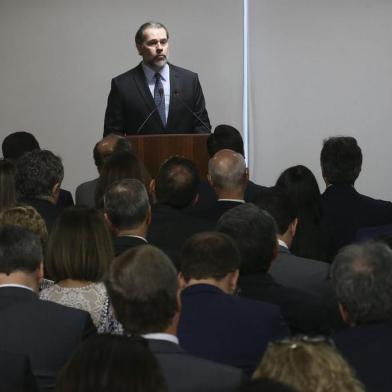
x,y
159,97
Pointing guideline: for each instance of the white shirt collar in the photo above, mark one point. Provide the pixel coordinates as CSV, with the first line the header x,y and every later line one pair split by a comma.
x,y
150,73
161,336
236,200
282,243
135,236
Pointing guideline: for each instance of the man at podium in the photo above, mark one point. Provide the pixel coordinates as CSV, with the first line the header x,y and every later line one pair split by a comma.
x,y
155,97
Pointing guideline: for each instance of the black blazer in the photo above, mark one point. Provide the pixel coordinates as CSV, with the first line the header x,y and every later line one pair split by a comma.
x,y
124,242
44,331
184,372
130,102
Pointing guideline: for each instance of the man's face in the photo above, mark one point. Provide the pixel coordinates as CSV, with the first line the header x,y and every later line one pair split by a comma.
x,y
154,48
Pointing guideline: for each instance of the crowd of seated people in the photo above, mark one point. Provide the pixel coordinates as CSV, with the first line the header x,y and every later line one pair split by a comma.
x,y
173,282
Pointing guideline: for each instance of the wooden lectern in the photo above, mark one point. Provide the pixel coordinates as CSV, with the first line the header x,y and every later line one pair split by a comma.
x,y
153,150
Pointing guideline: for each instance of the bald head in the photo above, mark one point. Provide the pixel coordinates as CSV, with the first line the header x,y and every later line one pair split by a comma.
x,y
227,173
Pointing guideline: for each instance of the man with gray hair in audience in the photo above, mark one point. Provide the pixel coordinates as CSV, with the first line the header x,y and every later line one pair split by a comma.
x,y
362,279
128,212
228,176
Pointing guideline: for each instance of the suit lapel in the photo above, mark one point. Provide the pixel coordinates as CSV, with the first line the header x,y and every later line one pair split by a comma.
x,y
175,87
144,91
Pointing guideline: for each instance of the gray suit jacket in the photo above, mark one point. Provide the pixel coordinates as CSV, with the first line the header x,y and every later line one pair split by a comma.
x,y
85,193
300,273
186,373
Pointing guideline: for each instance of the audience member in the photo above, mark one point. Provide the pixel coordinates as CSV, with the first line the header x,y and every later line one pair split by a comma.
x,y
112,363
128,212
7,184
44,331
254,232
18,143
175,189
39,174
85,192
78,254
300,185
362,278
265,385
309,365
215,324
119,165
344,209
143,288
288,269
224,137
228,176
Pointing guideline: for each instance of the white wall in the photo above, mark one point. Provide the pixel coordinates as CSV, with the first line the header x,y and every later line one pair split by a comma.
x,y
58,57
321,68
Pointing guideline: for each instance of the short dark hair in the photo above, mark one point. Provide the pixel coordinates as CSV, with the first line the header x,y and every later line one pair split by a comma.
x,y
254,232
208,255
341,160
17,143
7,183
225,137
279,206
142,286
177,182
112,362
362,279
20,250
126,203
139,36
37,172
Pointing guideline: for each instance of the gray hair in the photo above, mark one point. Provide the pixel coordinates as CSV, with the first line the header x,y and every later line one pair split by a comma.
x,y
139,36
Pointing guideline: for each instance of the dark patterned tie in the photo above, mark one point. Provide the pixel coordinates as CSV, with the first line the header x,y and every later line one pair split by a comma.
x,y
159,97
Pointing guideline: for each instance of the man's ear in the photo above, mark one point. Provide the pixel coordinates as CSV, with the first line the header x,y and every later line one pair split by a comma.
x,y
181,281
209,179
39,273
195,199
344,314
152,186
233,279
139,49
148,217
56,191
293,227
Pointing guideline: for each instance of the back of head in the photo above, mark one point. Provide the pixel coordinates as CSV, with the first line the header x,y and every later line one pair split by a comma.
x,y
37,172
80,246
7,183
225,137
208,255
254,232
17,143
112,363
300,185
105,147
20,250
127,204
307,364
279,206
27,217
227,170
142,287
177,182
362,279
341,160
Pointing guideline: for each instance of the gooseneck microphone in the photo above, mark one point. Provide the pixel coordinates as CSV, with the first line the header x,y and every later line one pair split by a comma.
x,y
161,94
177,94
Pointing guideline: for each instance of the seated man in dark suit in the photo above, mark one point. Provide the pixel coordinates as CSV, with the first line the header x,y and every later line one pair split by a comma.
x,y
214,323
143,288
254,232
175,189
224,137
16,144
228,176
345,211
39,174
362,279
128,212
44,331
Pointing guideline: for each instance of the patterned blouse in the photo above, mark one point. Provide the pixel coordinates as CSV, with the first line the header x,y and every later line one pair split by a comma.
x,y
92,298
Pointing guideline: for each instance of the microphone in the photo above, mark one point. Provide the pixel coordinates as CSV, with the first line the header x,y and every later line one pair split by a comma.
x,y
161,92
194,114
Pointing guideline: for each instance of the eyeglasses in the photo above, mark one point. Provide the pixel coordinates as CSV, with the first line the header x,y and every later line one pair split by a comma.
x,y
295,341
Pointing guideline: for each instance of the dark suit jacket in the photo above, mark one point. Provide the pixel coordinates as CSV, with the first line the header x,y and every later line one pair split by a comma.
x,y
303,312
171,227
16,374
226,328
368,349
186,373
45,331
85,193
214,212
300,273
345,211
130,102
124,242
